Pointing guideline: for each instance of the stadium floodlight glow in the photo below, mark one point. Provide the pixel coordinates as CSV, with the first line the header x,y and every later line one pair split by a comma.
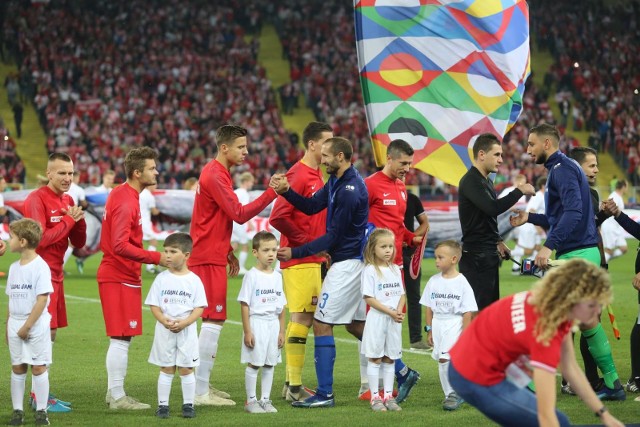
x,y
635,91
576,65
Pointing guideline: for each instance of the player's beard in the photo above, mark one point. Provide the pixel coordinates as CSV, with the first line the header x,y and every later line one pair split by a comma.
x,y
541,159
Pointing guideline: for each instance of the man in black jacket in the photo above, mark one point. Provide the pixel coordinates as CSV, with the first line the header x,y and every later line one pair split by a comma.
x,y
478,206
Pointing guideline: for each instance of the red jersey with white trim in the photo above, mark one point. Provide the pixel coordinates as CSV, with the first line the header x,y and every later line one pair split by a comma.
x,y
215,209
296,227
121,239
503,333
387,205
49,209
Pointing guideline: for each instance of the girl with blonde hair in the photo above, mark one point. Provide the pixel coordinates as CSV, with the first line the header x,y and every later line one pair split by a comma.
x,y
383,291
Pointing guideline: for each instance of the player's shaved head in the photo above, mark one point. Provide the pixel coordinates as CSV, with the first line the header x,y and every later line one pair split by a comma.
x,y
399,147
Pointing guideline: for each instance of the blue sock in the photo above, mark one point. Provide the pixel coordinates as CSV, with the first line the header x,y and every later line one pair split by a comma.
x,y
401,371
325,356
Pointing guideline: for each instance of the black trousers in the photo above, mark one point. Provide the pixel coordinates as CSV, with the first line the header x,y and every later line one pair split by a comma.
x,y
414,309
481,269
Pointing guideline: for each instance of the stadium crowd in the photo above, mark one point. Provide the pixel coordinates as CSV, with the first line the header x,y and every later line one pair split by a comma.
x,y
143,93
11,167
596,79
115,77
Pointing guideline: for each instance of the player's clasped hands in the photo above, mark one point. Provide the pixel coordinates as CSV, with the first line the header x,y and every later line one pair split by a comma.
x,y
76,213
527,189
279,183
610,208
518,218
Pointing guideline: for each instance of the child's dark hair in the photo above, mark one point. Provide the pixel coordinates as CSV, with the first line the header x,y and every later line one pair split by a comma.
x,y
27,229
262,236
181,241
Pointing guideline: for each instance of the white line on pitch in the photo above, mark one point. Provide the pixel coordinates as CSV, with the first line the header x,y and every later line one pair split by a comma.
x,y
233,322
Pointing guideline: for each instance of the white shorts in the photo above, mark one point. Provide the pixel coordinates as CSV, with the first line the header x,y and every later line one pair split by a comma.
x,y
36,349
240,234
382,336
265,349
613,235
340,301
528,237
175,349
446,331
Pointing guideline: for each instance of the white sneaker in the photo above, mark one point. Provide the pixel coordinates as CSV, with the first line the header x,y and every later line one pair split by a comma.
x,y
253,407
219,393
211,399
267,406
127,402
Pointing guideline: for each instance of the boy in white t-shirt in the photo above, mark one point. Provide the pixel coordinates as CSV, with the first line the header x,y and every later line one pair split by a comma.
x,y
28,288
262,304
450,305
176,299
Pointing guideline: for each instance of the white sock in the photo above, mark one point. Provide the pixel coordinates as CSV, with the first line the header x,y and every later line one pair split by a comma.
x,y
250,381
117,361
607,257
41,390
67,255
364,362
373,373
266,382
164,388
18,385
208,345
388,376
48,369
188,383
616,253
242,259
443,370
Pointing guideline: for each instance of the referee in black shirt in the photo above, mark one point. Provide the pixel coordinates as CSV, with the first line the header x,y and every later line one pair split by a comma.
x,y
478,206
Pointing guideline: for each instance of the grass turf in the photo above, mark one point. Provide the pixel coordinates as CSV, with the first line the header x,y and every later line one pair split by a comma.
x,y
78,373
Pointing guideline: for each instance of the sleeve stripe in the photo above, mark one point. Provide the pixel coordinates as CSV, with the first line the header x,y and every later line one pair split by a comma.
x,y
543,366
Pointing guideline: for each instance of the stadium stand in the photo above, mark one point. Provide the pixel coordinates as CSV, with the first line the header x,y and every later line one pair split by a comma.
x,y
156,73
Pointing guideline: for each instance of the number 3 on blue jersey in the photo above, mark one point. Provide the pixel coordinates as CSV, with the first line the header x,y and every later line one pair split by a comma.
x,y
323,303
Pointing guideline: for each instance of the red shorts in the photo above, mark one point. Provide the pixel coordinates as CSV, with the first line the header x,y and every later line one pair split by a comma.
x,y
57,306
214,278
121,308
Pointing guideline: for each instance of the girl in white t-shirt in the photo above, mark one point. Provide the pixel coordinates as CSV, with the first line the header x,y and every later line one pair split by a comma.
x,y
383,291
450,303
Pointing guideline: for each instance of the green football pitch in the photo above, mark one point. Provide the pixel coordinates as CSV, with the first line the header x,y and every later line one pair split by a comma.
x,y
78,373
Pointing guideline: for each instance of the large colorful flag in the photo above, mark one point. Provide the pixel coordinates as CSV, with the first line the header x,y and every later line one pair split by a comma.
x,y
438,73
